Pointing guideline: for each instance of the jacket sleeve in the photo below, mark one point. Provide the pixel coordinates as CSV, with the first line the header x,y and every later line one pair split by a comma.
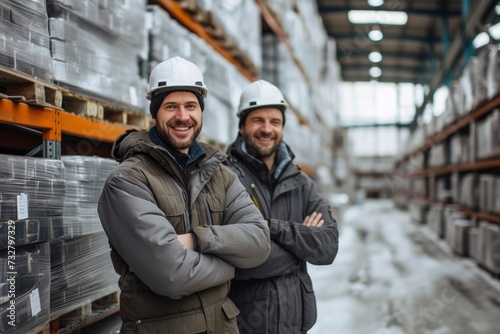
x,y
144,238
243,239
280,262
316,245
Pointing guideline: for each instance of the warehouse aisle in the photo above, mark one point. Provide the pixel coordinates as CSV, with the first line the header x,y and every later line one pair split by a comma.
x,y
392,277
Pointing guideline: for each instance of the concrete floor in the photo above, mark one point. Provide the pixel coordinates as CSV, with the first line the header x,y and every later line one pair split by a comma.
x,y
393,277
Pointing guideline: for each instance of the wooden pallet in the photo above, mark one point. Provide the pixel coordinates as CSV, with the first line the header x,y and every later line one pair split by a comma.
x,y
86,314
40,329
20,87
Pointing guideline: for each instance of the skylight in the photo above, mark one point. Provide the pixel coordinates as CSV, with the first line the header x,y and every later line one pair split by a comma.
x,y
377,16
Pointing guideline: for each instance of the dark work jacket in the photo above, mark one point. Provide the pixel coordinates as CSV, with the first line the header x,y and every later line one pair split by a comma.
x,y
277,296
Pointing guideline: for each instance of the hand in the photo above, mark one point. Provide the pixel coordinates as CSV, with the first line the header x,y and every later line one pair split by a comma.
x,y
186,240
314,219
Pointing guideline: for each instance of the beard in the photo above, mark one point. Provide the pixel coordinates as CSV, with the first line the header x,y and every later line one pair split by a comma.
x,y
260,151
174,142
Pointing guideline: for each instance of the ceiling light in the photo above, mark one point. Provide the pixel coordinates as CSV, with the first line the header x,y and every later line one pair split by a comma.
x,y
377,16
375,57
497,9
480,40
375,34
494,31
375,72
375,3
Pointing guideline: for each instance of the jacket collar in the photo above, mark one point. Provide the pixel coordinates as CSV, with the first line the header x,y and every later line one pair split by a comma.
x,y
284,157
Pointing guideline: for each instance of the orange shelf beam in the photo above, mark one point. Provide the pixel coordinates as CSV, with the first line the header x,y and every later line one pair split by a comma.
x,y
461,123
484,164
183,17
481,215
54,123
45,119
89,128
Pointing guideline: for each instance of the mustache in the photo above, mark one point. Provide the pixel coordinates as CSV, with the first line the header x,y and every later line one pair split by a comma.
x,y
181,123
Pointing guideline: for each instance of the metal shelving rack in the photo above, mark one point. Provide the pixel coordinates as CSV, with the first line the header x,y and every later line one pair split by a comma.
x,y
480,165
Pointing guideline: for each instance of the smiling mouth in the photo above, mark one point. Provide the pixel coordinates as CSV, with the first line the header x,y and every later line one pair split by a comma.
x,y
181,128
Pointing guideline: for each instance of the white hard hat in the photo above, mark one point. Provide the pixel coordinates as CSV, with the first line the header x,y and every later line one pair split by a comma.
x,y
176,74
260,94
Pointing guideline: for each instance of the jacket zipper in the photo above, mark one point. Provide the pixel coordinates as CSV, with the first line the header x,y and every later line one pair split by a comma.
x,y
255,199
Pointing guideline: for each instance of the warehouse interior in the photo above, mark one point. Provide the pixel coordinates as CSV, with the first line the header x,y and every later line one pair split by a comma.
x,y
394,111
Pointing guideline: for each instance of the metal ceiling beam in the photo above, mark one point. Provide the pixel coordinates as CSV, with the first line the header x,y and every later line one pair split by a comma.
x,y
455,51
383,78
409,11
360,34
375,125
406,69
399,55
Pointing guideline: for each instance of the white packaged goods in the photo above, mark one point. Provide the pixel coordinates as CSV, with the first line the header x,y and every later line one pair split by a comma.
x,y
32,289
487,192
451,213
85,177
97,49
461,236
492,248
493,73
32,192
468,188
24,38
473,243
81,272
435,219
459,148
418,212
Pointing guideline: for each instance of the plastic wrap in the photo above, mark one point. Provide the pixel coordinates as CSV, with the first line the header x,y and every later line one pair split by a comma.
x,y
468,190
85,178
24,38
241,21
82,272
451,215
459,145
435,219
473,243
487,195
492,248
92,54
418,211
488,141
461,229
216,121
493,72
32,193
167,38
28,290
437,156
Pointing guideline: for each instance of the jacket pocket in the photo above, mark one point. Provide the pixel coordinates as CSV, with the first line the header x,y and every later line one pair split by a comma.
x,y
216,204
192,322
309,312
230,312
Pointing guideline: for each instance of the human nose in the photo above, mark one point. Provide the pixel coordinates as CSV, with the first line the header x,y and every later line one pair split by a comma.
x,y
266,127
182,113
